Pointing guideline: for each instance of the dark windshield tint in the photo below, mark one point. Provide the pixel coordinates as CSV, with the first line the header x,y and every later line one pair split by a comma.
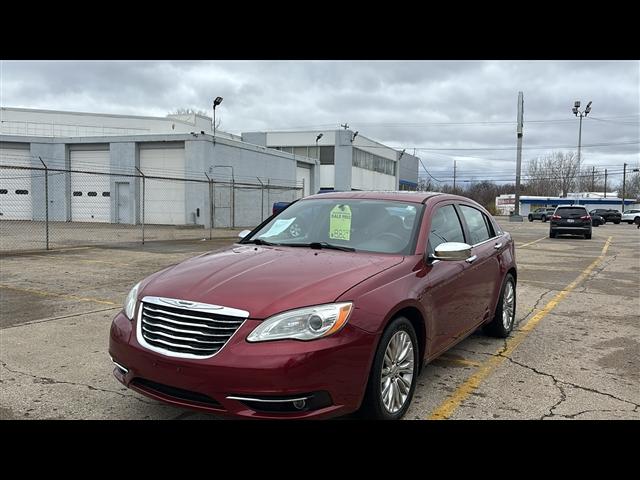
x,y
571,212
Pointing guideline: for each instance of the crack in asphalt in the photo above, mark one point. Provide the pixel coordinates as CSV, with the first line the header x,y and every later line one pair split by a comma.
x,y
534,308
50,381
595,272
563,396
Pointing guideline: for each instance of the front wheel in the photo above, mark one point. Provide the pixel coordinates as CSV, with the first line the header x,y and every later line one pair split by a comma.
x,y
392,379
587,236
505,315
552,234
530,217
617,222
544,219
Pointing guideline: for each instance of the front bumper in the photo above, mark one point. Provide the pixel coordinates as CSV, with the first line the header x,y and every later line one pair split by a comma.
x,y
336,367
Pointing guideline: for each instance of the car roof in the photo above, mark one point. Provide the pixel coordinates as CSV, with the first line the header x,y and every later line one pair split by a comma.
x,y
400,195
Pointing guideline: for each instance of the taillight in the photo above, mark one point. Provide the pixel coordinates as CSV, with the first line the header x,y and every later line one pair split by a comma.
x,y
585,217
556,217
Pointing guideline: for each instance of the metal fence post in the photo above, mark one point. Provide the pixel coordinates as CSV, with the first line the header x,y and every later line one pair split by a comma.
x,y
262,199
269,194
143,182
46,201
233,201
210,207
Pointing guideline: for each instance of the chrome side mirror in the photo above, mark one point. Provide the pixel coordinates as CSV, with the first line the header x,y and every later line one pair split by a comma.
x,y
452,251
244,233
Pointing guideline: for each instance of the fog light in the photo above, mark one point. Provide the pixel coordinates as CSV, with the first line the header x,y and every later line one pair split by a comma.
x,y
299,404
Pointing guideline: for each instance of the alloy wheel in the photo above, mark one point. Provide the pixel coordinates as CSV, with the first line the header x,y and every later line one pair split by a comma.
x,y
508,299
397,372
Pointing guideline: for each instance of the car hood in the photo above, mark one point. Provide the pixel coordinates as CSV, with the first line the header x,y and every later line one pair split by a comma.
x,y
267,280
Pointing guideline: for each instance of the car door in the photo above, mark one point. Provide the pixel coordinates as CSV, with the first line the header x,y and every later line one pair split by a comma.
x,y
442,289
482,270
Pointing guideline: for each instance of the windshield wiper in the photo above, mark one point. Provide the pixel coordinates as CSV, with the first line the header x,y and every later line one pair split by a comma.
x,y
258,241
320,245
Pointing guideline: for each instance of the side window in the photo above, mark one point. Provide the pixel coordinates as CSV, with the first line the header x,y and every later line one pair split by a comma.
x,y
445,227
477,224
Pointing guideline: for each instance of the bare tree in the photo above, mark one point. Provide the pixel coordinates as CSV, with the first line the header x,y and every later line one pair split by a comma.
x,y
632,187
553,174
187,111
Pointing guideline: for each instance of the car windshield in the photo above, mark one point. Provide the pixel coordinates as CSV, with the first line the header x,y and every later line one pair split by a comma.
x,y
380,226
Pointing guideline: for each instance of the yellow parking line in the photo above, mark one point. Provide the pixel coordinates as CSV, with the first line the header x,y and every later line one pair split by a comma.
x,y
530,243
458,361
58,295
446,409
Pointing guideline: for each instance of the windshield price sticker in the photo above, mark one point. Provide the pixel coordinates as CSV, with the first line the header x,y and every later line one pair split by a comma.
x,y
340,223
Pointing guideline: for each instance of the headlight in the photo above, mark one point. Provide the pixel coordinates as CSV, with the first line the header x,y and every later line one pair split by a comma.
x,y
303,324
130,302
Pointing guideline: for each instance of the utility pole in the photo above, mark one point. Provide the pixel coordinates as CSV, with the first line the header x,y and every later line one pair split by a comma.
x,y
624,182
605,183
454,176
516,212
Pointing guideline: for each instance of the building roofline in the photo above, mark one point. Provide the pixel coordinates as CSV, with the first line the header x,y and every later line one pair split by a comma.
x,y
90,114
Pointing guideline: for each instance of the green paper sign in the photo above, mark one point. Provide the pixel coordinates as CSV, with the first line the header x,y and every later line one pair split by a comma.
x,y
340,223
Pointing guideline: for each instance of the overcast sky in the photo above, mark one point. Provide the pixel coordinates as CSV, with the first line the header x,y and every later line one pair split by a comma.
x,y
446,110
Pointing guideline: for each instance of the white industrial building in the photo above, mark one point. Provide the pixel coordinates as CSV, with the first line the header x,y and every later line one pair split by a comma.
x,y
348,160
505,204
103,155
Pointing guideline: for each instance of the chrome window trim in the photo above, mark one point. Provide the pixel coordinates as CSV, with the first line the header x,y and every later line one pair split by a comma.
x,y
203,307
488,240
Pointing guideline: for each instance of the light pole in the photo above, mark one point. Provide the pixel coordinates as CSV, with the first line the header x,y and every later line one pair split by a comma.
x,y
576,111
216,102
320,135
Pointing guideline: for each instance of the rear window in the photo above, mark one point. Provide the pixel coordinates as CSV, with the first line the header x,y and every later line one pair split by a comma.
x,y
571,212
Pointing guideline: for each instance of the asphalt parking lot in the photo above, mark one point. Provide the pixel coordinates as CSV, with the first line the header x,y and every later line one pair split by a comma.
x,y
574,354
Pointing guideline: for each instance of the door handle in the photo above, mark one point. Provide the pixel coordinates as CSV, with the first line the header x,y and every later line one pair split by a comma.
x,y
498,246
471,259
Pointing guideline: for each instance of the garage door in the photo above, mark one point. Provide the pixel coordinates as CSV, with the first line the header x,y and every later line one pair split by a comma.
x,y
304,174
90,194
164,199
15,185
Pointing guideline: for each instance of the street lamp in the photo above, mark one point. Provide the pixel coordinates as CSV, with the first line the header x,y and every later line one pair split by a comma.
x,y
216,102
576,111
320,135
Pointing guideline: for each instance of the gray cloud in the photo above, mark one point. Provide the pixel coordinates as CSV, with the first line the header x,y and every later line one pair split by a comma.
x,y
395,102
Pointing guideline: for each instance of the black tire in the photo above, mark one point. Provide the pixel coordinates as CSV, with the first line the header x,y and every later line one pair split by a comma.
x,y
530,217
617,222
636,220
587,236
552,234
544,219
496,327
372,404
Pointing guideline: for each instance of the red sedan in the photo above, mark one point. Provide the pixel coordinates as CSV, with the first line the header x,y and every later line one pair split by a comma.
x,y
330,307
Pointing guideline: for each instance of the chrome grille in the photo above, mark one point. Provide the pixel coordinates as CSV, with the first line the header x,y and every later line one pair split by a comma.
x,y
180,328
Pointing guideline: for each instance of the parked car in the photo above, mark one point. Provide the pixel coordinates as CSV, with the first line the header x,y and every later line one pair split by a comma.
x,y
630,216
570,219
340,318
609,215
596,220
541,214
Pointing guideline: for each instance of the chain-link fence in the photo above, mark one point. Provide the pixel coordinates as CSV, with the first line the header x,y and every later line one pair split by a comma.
x,y
45,208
